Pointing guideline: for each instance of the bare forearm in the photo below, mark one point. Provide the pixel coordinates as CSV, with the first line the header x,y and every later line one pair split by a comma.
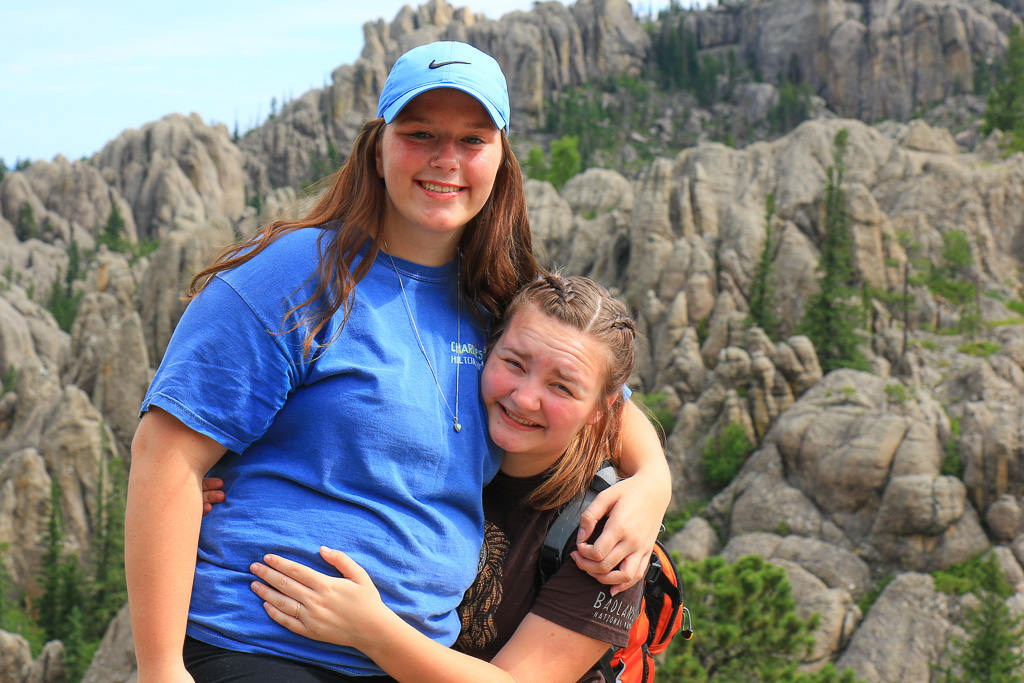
x,y
161,534
162,520
538,652
409,656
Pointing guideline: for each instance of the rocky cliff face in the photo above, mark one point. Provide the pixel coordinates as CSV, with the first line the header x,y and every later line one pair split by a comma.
x,y
846,483
867,60
870,60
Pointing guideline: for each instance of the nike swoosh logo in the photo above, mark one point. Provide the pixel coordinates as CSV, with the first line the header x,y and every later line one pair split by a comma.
x,y
435,65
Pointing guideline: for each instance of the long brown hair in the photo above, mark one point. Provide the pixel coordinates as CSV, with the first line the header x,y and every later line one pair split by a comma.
x,y
496,245
583,305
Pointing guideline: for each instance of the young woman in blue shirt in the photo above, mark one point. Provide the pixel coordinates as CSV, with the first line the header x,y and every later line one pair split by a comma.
x,y
327,371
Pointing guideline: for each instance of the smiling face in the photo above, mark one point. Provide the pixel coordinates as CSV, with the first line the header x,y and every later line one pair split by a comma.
x,y
541,384
438,158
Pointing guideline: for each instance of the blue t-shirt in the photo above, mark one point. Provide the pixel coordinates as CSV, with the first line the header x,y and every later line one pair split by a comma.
x,y
353,449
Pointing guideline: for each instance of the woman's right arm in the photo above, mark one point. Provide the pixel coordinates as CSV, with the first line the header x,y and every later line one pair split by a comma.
x,y
161,536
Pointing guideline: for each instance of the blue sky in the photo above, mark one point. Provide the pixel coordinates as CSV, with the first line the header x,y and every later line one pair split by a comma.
x,y
73,75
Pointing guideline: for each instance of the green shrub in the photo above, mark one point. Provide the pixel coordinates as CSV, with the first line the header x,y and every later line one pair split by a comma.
x,y
745,627
951,464
981,349
1004,322
565,160
536,165
977,574
1017,306
868,599
10,378
702,330
896,393
724,454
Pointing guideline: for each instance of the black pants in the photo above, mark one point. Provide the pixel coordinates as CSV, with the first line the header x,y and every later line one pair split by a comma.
x,y
210,664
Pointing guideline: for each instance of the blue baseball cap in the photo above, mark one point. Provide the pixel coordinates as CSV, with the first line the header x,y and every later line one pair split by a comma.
x,y
446,64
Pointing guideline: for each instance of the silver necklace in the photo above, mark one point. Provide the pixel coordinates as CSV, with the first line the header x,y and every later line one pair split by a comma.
x,y
458,319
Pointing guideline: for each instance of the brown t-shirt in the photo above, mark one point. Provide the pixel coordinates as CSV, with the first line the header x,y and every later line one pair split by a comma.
x,y
506,590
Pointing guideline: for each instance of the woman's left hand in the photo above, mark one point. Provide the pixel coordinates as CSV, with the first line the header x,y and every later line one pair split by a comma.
x,y
338,610
620,555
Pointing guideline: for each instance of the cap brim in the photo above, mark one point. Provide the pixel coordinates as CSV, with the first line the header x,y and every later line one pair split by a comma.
x,y
391,112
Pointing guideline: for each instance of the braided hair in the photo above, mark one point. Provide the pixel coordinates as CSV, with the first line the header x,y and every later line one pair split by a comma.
x,y
586,306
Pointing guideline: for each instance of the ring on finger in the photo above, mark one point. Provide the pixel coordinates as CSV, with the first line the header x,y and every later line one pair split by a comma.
x,y
298,606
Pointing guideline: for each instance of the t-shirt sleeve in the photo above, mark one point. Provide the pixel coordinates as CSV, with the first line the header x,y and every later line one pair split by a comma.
x,y
576,601
226,373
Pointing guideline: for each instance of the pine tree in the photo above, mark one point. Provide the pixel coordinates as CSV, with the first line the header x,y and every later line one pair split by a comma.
x,y
49,613
762,294
745,626
113,234
70,596
990,650
108,580
27,225
834,313
77,651
1005,110
912,250
74,265
6,588
63,302
952,279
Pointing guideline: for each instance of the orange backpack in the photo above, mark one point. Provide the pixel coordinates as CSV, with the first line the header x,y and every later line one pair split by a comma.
x,y
661,614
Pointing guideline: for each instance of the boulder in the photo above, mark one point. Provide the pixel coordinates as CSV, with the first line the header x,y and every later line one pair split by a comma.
x,y
1004,519
832,605
114,661
15,655
902,635
1010,567
48,666
24,511
77,446
184,251
696,542
177,167
78,193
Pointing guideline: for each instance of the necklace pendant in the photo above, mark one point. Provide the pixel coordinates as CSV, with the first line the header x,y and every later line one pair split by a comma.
x,y
458,427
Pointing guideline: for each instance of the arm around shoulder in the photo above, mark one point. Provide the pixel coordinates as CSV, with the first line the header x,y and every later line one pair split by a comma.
x,y
162,519
635,507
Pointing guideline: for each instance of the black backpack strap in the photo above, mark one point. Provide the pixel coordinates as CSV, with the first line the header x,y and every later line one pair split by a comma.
x,y
604,665
561,537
